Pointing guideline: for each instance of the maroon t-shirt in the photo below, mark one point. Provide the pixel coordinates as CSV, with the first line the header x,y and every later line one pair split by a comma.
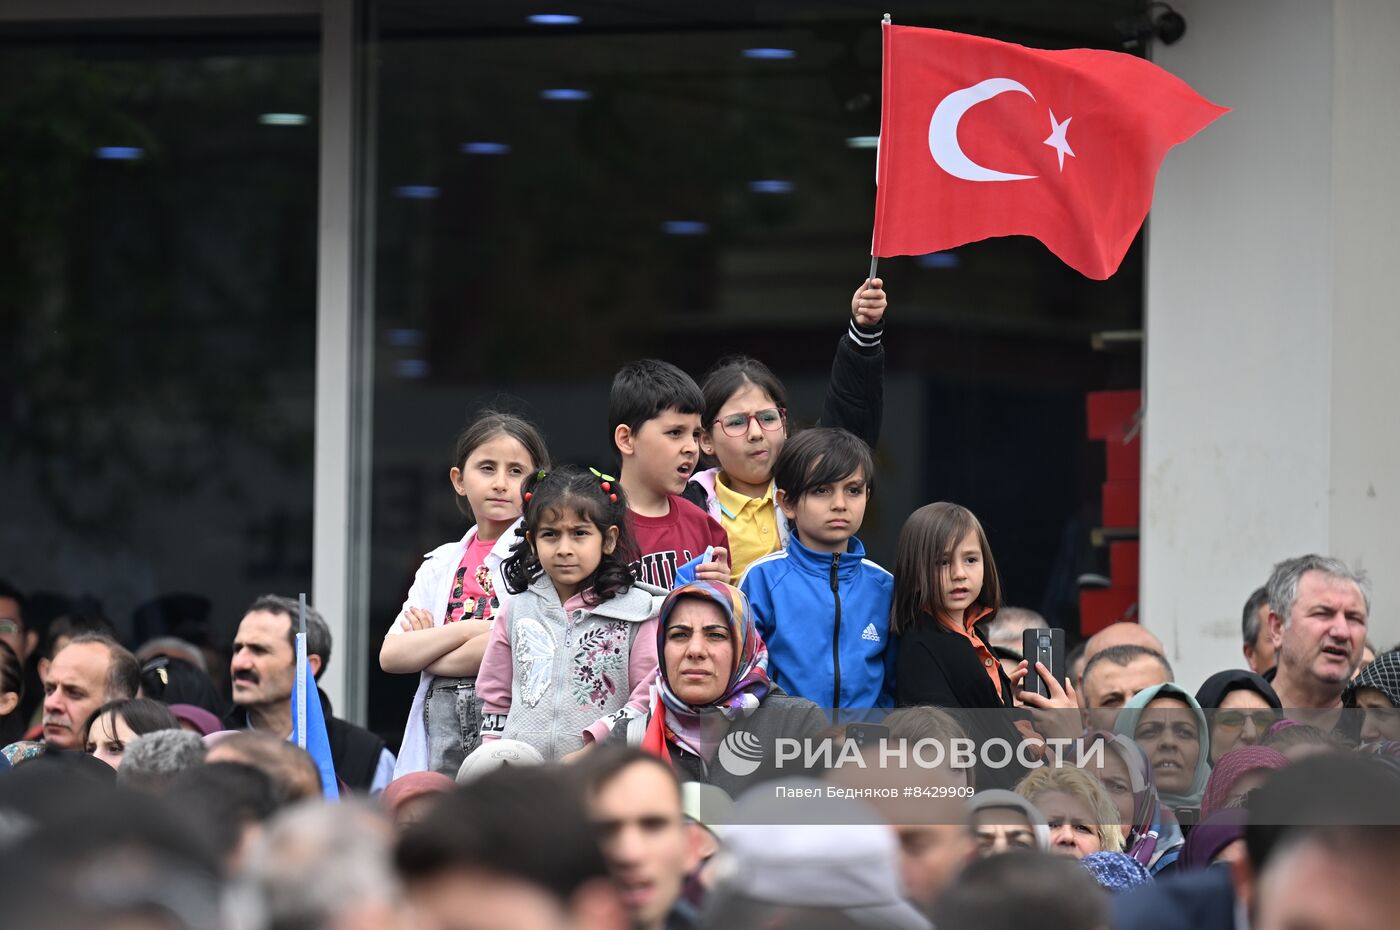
x,y
670,541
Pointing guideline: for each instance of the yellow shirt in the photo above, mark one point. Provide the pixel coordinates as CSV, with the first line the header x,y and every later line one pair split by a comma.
x,y
751,524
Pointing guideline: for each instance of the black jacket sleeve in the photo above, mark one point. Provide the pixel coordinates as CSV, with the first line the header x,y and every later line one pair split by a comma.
x,y
921,677
855,395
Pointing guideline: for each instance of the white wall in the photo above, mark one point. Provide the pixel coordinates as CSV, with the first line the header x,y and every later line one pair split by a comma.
x,y
1365,435
1269,317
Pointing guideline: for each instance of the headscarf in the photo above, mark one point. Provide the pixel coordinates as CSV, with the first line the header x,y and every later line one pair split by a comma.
x,y
198,717
700,728
23,751
1213,690
1232,766
414,785
1155,839
1383,674
1117,872
1127,725
1142,840
1212,835
997,798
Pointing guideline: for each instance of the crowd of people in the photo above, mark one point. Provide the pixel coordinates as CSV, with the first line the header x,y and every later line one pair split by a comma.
x,y
682,697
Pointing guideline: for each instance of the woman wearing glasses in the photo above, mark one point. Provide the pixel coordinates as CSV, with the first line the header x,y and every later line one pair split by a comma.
x,y
1241,707
744,425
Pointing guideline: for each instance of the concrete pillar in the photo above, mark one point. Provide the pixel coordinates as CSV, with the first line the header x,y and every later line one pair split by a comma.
x,y
1271,321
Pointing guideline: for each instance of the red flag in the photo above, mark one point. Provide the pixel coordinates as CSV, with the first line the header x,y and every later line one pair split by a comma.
x,y
981,138
654,739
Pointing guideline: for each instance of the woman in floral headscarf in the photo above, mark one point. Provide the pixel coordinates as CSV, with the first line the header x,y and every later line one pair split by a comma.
x,y
1151,833
711,682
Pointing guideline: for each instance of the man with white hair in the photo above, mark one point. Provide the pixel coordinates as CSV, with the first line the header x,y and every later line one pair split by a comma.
x,y
153,760
320,866
1318,608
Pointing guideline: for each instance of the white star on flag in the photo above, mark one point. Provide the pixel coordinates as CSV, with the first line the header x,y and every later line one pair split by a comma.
x,y
1057,140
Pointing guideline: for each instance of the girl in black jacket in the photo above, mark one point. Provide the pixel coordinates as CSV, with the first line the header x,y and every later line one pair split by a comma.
x,y
945,581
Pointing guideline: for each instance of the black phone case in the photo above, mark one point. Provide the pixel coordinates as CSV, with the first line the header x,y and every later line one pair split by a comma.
x,y
866,734
1033,648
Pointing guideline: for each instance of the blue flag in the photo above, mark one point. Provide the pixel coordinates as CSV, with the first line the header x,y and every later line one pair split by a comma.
x,y
686,573
306,712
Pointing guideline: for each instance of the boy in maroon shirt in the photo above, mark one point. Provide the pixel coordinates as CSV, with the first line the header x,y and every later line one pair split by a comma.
x,y
654,417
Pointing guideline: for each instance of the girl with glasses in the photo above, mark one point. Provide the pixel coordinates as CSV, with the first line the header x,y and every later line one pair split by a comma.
x,y
745,423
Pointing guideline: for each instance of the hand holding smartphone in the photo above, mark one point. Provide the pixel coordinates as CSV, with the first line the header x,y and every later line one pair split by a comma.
x,y
1046,646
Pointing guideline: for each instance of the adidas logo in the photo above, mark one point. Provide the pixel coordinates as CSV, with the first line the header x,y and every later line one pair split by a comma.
x,y
871,633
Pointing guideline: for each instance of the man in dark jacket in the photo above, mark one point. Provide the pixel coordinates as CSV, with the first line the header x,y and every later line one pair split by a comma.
x,y
264,673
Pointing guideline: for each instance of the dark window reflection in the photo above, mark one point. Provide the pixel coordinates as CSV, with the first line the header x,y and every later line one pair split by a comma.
x,y
552,201
157,343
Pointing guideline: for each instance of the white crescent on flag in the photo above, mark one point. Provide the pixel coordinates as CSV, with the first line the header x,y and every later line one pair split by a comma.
x,y
943,130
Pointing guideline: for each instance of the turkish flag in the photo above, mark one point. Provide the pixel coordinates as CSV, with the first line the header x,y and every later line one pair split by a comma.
x,y
981,138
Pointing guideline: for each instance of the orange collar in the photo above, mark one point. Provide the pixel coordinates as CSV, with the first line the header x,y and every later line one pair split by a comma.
x,y
968,631
971,616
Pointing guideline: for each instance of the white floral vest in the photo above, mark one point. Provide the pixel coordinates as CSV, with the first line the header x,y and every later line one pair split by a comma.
x,y
570,671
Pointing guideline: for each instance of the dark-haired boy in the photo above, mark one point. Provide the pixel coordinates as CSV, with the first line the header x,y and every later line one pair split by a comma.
x,y
634,800
516,850
654,420
823,608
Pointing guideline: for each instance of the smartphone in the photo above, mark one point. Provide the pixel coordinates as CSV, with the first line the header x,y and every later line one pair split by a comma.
x,y
866,734
1048,648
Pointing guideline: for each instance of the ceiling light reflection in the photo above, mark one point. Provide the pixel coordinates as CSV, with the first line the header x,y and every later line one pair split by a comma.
x,y
685,228
120,152
283,119
770,187
417,192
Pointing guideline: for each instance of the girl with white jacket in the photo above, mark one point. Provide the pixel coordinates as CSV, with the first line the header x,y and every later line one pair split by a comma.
x,y
443,628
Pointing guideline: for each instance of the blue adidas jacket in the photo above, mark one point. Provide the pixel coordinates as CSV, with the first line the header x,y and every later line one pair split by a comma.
x,y
826,620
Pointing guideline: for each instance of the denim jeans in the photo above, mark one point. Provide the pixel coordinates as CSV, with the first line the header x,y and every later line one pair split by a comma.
x,y
452,719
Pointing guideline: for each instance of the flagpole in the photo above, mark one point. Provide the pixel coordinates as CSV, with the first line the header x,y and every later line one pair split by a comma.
x,y
874,260
301,670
